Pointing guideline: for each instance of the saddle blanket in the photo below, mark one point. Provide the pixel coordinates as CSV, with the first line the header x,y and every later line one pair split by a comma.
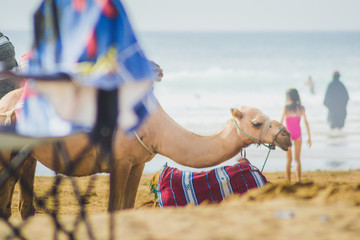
x,y
179,188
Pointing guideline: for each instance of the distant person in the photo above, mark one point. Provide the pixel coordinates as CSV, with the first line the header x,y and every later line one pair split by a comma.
x,y
336,99
292,113
7,62
309,82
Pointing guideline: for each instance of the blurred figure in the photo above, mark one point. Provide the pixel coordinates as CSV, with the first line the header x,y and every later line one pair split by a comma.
x,y
7,54
158,70
292,113
7,62
309,82
336,99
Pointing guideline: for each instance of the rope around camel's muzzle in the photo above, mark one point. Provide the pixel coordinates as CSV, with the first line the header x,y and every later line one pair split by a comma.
x,y
262,134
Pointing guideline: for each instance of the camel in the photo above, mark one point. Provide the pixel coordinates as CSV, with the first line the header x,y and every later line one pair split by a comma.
x,y
159,134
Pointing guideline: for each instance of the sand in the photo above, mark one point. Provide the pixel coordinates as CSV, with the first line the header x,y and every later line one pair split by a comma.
x,y
324,206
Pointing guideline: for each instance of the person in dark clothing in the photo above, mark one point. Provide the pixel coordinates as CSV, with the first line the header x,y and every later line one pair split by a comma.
x,y
7,62
336,99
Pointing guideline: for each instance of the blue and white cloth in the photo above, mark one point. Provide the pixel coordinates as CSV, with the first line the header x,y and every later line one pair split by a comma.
x,y
93,43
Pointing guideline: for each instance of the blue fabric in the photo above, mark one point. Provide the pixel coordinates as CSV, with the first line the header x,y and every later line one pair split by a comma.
x,y
93,43
171,187
223,180
208,185
91,39
242,175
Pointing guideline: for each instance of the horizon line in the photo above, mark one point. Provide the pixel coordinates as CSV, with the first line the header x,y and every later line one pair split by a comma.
x,y
216,31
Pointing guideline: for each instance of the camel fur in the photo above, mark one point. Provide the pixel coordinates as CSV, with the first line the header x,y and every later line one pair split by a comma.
x,y
161,134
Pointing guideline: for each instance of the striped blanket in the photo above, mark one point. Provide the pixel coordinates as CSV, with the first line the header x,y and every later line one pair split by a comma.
x,y
179,188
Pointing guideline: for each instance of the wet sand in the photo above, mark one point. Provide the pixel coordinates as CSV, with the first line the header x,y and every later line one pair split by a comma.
x,y
324,206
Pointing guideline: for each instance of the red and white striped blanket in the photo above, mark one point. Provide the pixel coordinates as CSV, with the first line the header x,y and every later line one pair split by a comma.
x,y
179,188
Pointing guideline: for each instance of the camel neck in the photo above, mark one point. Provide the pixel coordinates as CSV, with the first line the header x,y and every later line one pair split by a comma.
x,y
193,150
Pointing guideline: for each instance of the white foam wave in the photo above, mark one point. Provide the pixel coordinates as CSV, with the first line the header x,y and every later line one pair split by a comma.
x,y
214,72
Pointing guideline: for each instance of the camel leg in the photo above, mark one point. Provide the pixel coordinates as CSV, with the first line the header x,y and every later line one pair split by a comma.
x,y
7,189
26,204
132,186
119,174
6,193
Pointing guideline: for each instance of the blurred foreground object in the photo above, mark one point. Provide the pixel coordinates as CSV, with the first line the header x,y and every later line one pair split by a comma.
x,y
7,62
85,54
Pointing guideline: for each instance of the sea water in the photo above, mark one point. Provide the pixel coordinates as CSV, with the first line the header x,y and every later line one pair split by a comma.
x,y
206,74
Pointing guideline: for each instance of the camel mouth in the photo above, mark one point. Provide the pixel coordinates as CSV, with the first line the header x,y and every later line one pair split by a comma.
x,y
283,140
283,147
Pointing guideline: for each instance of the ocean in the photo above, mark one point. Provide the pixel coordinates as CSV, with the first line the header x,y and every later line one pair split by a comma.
x,y
207,73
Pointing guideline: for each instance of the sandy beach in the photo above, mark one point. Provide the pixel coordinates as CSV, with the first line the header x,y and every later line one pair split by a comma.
x,y
215,56
324,206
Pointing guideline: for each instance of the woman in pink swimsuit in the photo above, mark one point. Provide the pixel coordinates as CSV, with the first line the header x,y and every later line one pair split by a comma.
x,y
293,111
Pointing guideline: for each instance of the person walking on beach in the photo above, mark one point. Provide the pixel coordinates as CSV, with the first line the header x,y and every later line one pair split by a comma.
x,y
336,99
292,113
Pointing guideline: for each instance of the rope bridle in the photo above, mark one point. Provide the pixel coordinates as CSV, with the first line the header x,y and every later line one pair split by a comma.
x,y
260,140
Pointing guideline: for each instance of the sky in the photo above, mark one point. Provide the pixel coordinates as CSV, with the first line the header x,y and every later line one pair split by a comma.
x,y
215,15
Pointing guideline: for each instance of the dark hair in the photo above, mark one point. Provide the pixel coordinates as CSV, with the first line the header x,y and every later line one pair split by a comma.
x,y
295,104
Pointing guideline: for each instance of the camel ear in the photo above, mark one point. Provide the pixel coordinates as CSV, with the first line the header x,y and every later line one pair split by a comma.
x,y
236,113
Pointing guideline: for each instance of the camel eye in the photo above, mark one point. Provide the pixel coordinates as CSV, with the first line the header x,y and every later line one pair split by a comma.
x,y
256,124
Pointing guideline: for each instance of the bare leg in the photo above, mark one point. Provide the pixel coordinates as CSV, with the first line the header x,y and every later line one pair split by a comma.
x,y
288,165
297,145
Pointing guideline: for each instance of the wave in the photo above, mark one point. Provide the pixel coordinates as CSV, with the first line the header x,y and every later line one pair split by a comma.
x,y
214,72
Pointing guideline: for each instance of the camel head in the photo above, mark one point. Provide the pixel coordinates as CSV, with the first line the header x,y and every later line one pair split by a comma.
x,y
259,128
